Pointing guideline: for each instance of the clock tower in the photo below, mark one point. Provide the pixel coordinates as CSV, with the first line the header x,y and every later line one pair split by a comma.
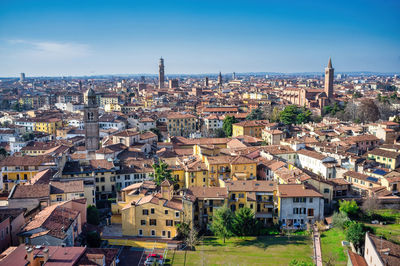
x,y
91,119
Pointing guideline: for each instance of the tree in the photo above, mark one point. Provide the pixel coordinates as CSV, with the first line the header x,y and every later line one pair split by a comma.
x,y
304,116
349,207
275,115
221,225
244,222
156,131
192,238
256,114
17,107
93,239
28,136
289,114
3,153
161,172
340,219
93,216
227,125
355,234
368,111
295,115
370,205
220,133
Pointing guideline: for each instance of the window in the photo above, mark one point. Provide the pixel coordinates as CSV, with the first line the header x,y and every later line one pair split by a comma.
x,y
140,232
168,222
326,190
103,188
102,179
153,232
163,233
177,214
59,197
145,212
142,222
311,200
166,212
153,222
127,177
241,195
152,210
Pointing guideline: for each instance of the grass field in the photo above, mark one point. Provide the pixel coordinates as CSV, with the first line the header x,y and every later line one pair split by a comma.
x,y
265,250
331,244
391,230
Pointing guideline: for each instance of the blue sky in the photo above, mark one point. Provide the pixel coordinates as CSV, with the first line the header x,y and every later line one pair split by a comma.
x,y
110,37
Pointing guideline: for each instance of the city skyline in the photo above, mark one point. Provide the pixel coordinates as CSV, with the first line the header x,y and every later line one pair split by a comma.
x,y
99,38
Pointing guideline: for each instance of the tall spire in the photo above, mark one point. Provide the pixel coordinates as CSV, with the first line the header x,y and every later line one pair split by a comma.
x,y
330,63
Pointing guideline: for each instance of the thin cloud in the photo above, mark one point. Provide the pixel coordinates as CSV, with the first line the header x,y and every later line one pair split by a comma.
x,y
52,49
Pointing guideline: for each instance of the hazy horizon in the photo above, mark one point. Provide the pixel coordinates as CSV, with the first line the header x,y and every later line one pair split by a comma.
x,y
93,38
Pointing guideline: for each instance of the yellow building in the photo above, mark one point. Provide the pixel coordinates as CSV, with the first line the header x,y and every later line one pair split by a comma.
x,y
250,128
388,159
66,190
181,124
207,201
129,194
48,125
258,195
103,172
112,107
21,169
154,215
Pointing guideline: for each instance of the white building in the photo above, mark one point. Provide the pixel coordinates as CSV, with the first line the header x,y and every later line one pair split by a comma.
x,y
299,204
317,163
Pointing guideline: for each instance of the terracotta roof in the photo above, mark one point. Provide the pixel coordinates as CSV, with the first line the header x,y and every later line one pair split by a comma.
x,y
251,185
389,252
384,153
30,191
27,161
69,186
208,192
297,190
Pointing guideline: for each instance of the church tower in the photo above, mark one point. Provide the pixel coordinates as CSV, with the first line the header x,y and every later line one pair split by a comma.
x,y
329,72
91,124
161,73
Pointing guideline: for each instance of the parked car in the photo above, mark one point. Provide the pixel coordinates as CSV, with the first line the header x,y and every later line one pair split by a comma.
x,y
154,258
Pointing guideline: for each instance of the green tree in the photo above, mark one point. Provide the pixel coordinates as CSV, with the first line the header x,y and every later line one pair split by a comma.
x,y
227,125
256,114
220,133
340,219
3,153
304,116
289,114
355,234
161,172
156,131
221,225
93,216
28,136
349,207
17,107
93,239
244,222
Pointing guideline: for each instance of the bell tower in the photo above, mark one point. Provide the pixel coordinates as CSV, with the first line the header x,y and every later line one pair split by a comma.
x,y
91,119
329,72
161,78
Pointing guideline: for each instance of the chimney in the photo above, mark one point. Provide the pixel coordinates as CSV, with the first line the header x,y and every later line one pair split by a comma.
x,y
45,255
29,254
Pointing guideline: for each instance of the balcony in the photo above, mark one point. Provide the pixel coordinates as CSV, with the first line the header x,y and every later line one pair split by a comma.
x,y
263,215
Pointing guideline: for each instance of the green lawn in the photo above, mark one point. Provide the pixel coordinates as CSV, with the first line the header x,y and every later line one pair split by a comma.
x,y
331,244
389,231
265,250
